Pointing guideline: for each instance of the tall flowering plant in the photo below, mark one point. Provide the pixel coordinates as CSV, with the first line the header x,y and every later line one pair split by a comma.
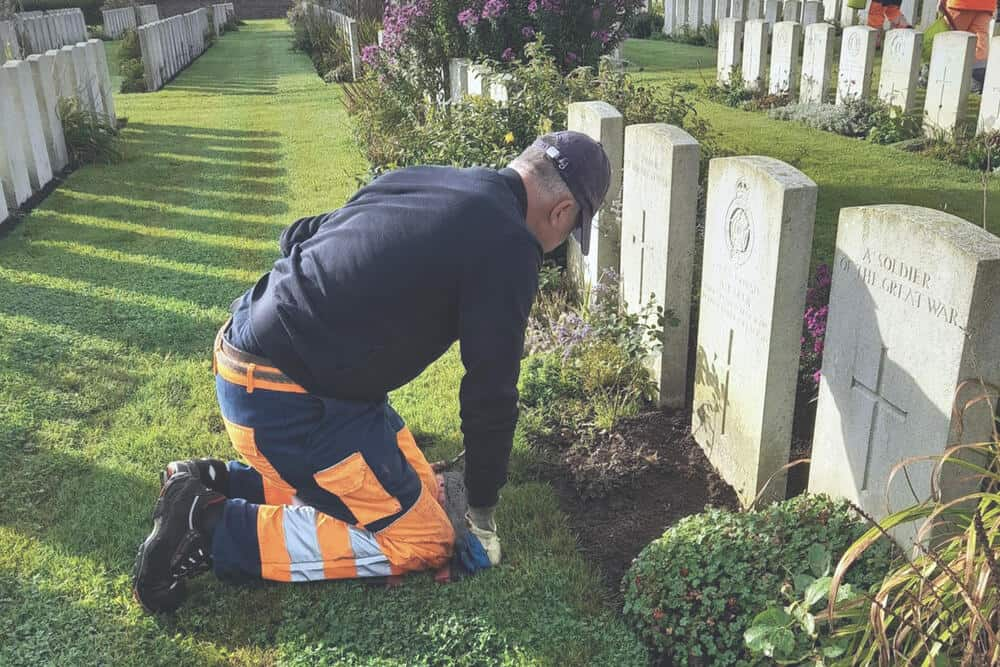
x,y
814,328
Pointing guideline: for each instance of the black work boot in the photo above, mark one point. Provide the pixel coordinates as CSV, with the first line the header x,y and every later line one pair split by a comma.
x,y
179,546
213,473
978,79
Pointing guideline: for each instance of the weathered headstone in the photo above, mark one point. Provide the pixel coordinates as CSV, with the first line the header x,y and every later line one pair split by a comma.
x,y
831,11
708,16
928,14
603,123
458,78
857,54
785,46
907,8
97,60
755,10
758,242
791,10
897,84
770,14
737,10
13,143
669,13
680,17
989,109
730,48
812,12
721,9
26,105
499,90
914,314
754,54
817,63
86,77
478,80
43,74
659,205
694,15
948,82
66,74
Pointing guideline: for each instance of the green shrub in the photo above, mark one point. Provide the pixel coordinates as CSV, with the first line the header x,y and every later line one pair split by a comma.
x,y
692,593
858,117
735,93
327,47
646,25
130,64
981,152
90,138
91,8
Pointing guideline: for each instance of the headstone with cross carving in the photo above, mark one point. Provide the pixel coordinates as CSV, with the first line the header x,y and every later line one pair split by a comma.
x,y
989,109
659,204
730,48
758,241
914,314
817,63
948,82
601,122
897,85
857,54
785,66
754,54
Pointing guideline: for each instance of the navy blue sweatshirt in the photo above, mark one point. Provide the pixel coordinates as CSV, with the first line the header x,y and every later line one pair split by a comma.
x,y
366,297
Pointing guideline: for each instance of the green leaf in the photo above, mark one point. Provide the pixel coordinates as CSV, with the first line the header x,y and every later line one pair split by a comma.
x,y
834,650
817,591
819,560
772,641
802,582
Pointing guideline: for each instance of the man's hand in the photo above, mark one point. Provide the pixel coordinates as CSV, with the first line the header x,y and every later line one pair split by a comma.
x,y
481,524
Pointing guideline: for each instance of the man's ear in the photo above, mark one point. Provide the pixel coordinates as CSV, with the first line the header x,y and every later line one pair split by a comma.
x,y
563,215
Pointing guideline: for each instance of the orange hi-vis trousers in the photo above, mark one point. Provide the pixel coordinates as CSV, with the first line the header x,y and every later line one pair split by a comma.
x,y
330,489
879,13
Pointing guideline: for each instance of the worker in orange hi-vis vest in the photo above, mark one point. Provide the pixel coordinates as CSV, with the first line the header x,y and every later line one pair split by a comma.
x,y
889,10
972,16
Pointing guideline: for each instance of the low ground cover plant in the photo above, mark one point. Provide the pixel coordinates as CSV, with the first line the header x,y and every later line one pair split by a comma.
x,y
692,594
864,118
130,64
980,152
735,93
90,138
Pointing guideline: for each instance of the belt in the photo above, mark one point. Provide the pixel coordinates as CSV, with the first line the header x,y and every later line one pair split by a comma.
x,y
248,370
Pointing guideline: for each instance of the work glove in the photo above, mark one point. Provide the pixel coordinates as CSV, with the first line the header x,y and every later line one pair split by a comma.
x,y
484,528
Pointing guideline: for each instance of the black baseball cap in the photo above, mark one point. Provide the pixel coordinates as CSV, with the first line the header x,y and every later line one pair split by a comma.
x,y
584,167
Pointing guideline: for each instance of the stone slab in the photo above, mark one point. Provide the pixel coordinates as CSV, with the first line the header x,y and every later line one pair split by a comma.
x,y
786,43
901,54
758,243
857,55
989,109
13,143
659,206
914,314
817,63
948,82
754,68
730,49
23,98
43,75
605,124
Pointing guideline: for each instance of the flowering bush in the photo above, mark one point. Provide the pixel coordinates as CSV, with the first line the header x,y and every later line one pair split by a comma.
x,y
814,329
419,36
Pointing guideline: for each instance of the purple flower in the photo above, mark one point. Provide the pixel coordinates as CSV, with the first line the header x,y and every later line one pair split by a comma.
x,y
528,32
468,18
603,35
508,55
571,58
369,55
494,9
533,6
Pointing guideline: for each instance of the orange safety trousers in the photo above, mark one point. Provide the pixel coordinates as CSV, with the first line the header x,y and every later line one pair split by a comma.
x,y
977,22
879,13
330,489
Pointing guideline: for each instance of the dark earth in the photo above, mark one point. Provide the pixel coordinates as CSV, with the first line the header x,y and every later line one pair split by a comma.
x,y
626,487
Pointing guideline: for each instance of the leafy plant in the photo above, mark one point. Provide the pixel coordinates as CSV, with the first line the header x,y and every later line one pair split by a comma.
x,y
941,607
857,117
646,24
692,594
90,138
796,633
735,93
814,329
981,152
130,64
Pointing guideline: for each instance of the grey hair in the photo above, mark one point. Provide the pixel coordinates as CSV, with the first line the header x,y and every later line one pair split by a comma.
x,y
534,161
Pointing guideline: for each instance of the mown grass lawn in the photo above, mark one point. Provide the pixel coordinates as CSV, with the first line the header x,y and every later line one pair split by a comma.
x,y
849,172
110,295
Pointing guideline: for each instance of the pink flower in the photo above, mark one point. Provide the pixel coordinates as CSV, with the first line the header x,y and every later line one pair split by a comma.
x,y
533,6
468,18
494,9
508,55
528,32
571,57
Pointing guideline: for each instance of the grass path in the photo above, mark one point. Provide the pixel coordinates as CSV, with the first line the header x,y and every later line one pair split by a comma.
x,y
110,294
849,172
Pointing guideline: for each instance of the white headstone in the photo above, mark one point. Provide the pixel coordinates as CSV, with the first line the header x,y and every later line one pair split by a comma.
x,y
601,122
478,80
43,74
13,144
755,10
754,67
901,53
771,14
659,206
87,78
907,8
785,65
948,82
65,73
708,16
694,15
831,11
10,47
499,90
722,9
914,314
458,78
680,17
97,58
928,14
730,48
817,63
758,243
989,109
812,12
25,104
791,10
857,55
669,10
737,10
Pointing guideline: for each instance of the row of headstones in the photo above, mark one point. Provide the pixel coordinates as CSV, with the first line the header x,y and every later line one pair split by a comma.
x,y
346,25
32,142
691,15
468,78
949,77
914,312
117,21
222,13
40,32
169,45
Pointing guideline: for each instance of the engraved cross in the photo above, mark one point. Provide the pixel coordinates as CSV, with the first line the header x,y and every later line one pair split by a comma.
x,y
725,384
943,80
880,406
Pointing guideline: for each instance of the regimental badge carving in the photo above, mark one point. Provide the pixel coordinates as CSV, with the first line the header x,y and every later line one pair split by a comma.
x,y
739,228
854,44
895,44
